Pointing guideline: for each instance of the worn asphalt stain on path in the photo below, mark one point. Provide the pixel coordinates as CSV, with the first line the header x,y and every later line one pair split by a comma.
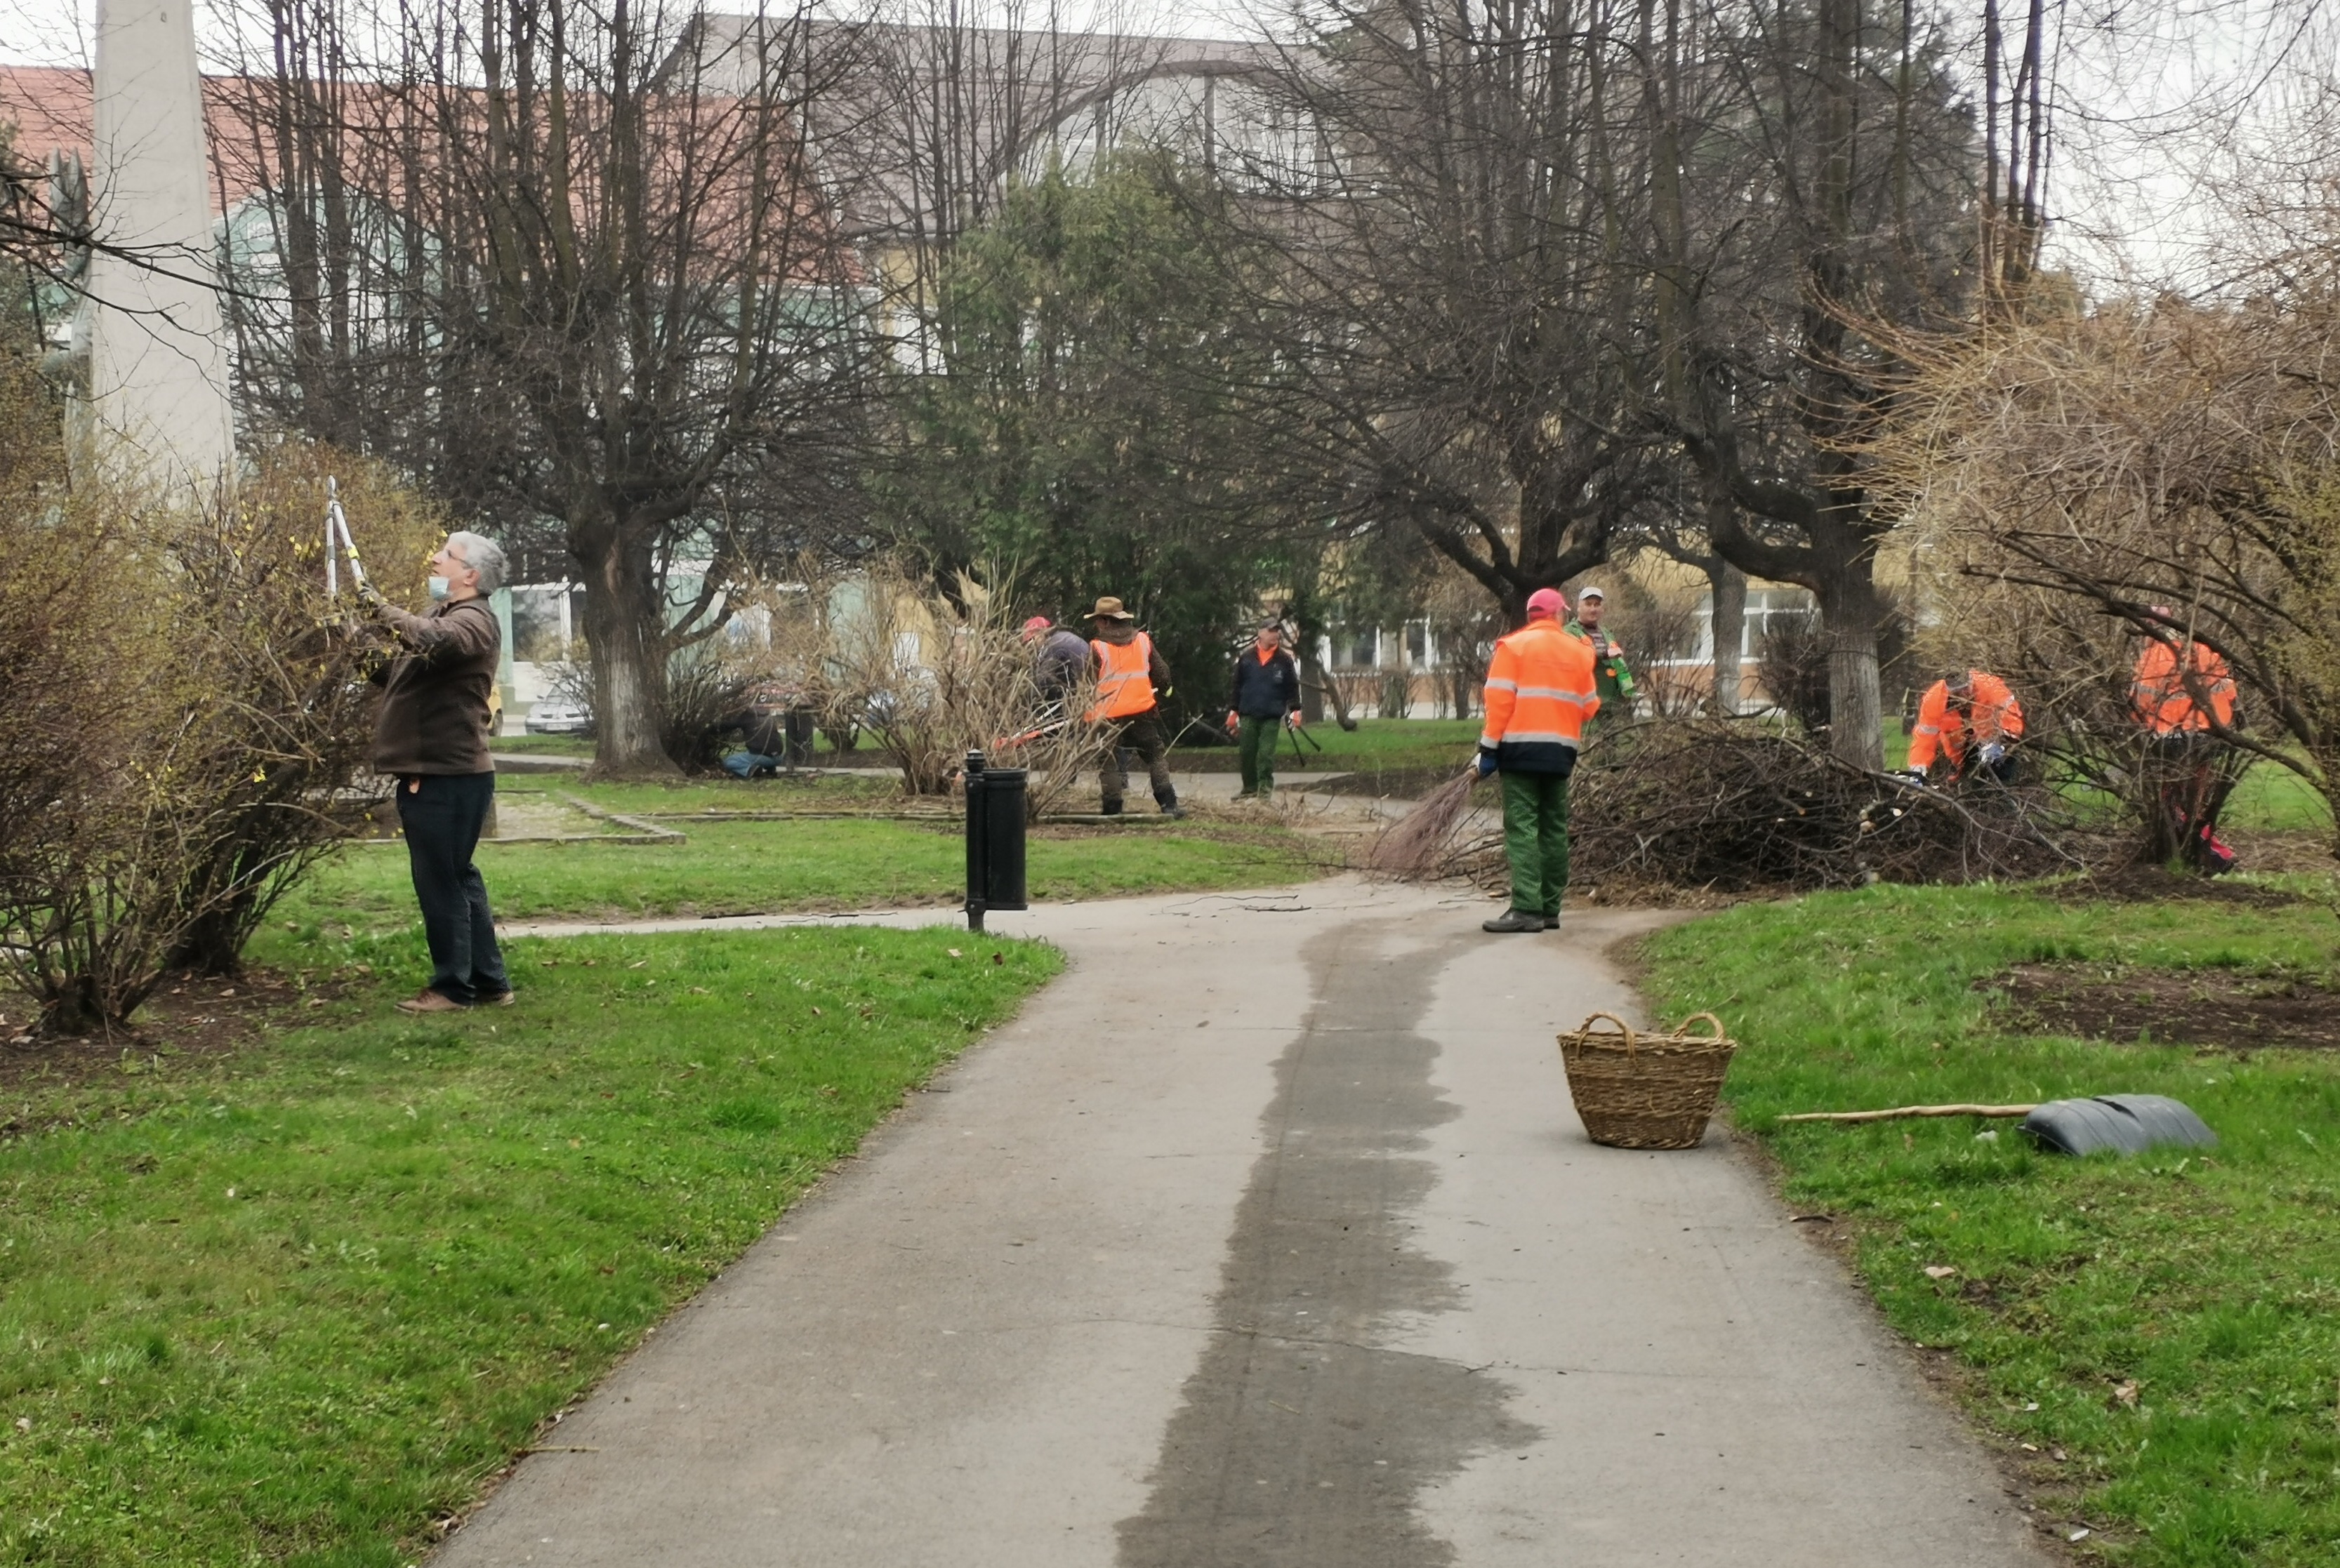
x,y
1302,1442
1078,1309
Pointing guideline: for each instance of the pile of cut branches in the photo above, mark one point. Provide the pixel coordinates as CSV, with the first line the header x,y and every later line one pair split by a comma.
x,y
1727,806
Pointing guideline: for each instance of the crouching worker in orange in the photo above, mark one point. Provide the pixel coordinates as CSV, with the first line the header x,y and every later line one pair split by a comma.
x,y
2185,701
1539,694
1969,722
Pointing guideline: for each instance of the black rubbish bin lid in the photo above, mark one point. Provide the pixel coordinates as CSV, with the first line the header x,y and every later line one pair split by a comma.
x,y
2130,1123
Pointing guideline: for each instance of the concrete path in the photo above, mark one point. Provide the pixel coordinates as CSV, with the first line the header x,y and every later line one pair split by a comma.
x,y
1266,1236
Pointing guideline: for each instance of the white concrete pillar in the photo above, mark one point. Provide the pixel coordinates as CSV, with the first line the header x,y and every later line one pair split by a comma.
x,y
158,370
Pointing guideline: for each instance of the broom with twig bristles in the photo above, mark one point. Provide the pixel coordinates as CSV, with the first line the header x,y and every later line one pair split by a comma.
x,y
1419,844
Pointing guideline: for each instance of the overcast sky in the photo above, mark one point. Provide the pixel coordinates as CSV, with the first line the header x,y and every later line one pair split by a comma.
x,y
2168,111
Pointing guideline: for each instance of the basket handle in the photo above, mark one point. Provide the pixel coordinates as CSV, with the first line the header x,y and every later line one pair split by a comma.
x,y
1720,1032
1626,1028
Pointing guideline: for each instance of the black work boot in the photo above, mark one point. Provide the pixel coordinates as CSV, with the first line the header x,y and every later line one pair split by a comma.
x,y
1168,801
1515,920
1110,808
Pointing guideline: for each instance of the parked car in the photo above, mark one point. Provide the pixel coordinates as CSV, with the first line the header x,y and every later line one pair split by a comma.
x,y
555,717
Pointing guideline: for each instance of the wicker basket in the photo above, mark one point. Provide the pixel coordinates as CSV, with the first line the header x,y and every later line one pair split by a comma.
x,y
1646,1090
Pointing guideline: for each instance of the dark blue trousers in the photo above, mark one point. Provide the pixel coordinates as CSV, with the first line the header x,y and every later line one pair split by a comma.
x,y
443,820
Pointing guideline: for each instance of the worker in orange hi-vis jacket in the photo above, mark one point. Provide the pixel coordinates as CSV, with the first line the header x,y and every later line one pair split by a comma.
x,y
2185,700
1131,680
2164,695
1968,721
1539,694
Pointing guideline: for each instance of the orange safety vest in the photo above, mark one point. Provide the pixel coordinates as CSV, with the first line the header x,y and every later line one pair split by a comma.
x,y
2160,693
1125,681
1539,694
1992,714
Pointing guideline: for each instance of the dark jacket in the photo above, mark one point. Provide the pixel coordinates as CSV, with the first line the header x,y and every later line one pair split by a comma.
x,y
1064,658
434,702
1119,632
763,729
1266,690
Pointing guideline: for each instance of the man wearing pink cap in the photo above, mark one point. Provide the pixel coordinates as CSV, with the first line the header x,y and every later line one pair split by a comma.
x,y
1540,692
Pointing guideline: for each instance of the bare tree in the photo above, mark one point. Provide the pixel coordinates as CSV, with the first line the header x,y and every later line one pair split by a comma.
x,y
2175,470
575,268
1811,186
1453,314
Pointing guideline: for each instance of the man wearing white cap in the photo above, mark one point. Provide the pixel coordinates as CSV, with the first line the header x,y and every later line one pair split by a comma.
x,y
1611,678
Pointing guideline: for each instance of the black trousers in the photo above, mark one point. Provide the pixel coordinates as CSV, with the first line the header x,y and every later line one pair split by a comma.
x,y
442,819
1143,733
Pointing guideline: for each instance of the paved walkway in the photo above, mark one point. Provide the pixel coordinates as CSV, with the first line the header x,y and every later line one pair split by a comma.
x,y
1266,1236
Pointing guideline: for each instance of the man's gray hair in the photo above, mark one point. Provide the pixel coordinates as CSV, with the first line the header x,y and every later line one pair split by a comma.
x,y
482,554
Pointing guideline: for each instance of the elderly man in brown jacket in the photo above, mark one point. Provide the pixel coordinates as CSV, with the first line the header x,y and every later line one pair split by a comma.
x,y
432,738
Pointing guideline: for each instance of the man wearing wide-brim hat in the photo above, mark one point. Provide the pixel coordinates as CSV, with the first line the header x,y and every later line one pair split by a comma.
x,y
1132,680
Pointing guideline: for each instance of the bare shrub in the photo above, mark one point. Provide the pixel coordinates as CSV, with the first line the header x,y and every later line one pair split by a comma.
x,y
1791,661
1659,637
186,715
286,726
933,675
1464,627
2171,472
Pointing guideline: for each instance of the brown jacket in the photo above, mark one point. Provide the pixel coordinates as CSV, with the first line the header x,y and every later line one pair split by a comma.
x,y
434,703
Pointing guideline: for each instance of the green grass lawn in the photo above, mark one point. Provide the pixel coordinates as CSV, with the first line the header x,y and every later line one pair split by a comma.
x,y
291,1304
874,791
2207,1290
2274,798
772,867
542,746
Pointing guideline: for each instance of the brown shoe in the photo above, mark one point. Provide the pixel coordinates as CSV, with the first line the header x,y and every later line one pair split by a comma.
x,y
496,999
429,1000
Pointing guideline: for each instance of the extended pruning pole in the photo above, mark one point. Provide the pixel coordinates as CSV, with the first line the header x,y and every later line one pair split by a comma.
x,y
337,538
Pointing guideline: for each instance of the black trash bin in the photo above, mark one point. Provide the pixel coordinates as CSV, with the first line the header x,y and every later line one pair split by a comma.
x,y
994,839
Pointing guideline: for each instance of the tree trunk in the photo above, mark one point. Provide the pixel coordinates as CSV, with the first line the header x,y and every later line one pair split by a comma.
x,y
1314,679
71,1006
1850,612
625,634
1729,585
212,944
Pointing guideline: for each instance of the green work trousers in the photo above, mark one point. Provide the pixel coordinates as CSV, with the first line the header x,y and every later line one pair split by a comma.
x,y
1535,840
1256,741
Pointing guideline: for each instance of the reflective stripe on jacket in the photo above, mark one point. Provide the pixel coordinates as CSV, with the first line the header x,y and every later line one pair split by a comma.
x,y
1124,686
1540,692
2160,693
1991,715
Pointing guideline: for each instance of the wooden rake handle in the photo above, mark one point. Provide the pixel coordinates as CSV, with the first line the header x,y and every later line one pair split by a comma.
x,y
1902,1111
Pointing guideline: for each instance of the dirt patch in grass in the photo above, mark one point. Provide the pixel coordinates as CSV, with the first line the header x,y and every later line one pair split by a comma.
x,y
2225,1008
189,1016
2282,851
2155,884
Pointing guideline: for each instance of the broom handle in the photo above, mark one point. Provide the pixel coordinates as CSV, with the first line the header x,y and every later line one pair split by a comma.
x,y
1900,1111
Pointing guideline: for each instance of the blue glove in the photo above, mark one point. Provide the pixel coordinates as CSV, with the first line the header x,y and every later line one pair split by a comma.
x,y
1993,754
1486,763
